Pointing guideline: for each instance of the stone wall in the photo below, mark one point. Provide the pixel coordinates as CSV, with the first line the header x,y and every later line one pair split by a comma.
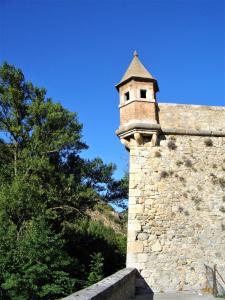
x,y
176,219
192,117
120,285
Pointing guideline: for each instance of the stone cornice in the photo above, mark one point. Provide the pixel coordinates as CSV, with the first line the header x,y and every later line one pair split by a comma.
x,y
192,132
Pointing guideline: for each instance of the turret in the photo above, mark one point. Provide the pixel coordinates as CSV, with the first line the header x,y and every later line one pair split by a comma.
x,y
138,106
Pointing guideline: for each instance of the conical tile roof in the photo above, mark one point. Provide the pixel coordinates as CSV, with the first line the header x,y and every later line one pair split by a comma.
x,y
136,69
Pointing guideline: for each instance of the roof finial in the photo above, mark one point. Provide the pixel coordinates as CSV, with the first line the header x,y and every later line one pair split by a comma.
x,y
135,53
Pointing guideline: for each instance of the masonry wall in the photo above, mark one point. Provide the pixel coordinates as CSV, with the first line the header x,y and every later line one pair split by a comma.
x,y
176,219
192,117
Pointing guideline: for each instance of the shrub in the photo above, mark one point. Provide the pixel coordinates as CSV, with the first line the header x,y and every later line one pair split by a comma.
x,y
173,138
222,182
222,209
164,174
214,178
179,163
196,200
171,145
208,142
157,154
182,179
188,163
96,269
199,188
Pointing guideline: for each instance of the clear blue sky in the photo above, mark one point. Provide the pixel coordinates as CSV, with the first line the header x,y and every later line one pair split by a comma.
x,y
79,49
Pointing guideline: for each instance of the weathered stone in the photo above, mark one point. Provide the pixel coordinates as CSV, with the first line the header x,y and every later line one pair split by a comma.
x,y
134,225
142,236
142,257
156,247
145,273
136,208
134,247
177,211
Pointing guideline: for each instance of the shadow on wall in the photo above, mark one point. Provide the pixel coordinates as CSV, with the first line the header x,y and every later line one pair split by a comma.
x,y
142,288
215,282
215,285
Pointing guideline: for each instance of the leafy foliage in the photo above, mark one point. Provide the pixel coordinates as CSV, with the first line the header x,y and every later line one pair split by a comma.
x,y
48,245
36,267
96,269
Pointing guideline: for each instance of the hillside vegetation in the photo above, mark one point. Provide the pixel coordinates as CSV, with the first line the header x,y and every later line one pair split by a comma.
x,y
104,213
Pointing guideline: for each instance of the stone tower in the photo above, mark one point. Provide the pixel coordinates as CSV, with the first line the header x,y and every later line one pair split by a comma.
x,y
176,211
138,105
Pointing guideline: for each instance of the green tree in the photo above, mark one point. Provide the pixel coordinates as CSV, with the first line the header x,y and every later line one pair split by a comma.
x,y
96,269
45,189
35,266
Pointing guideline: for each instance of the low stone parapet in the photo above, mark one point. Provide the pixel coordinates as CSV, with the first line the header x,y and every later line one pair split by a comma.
x,y
120,285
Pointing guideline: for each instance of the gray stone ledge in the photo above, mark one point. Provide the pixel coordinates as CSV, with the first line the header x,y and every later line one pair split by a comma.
x,y
156,127
193,132
137,125
120,285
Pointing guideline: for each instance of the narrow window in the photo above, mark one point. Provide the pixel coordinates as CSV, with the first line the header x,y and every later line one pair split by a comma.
x,y
143,93
127,96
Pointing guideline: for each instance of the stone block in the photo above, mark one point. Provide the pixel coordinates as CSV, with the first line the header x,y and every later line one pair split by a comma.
x,y
134,247
145,273
142,257
135,208
132,236
134,225
142,236
135,192
132,200
156,247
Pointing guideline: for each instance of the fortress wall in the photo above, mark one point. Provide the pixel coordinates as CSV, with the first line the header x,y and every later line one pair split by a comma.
x,y
192,117
176,218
